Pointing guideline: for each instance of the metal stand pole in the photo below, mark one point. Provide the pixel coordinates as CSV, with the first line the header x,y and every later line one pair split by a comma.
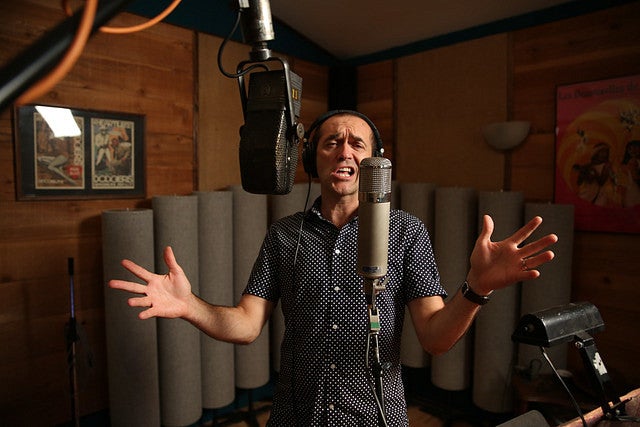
x,y
72,338
612,407
372,288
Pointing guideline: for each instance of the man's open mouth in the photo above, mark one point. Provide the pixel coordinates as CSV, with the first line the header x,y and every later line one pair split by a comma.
x,y
345,171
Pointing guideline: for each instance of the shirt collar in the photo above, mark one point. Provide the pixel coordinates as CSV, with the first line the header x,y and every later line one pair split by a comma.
x,y
315,210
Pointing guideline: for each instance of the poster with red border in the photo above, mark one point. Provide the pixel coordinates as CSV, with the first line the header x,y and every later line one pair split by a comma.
x,y
597,165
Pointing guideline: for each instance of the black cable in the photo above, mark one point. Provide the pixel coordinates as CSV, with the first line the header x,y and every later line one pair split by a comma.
x,y
43,54
224,43
295,298
304,211
382,418
573,400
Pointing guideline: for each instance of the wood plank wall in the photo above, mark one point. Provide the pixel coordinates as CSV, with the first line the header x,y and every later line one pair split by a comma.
x,y
376,99
153,73
606,266
150,73
443,96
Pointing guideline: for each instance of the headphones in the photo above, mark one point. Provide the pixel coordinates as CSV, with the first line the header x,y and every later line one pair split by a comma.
x,y
309,146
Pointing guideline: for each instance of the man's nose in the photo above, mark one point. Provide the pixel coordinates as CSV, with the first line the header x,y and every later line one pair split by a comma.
x,y
345,152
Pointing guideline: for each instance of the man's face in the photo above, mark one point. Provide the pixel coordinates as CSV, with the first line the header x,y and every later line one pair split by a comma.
x,y
344,141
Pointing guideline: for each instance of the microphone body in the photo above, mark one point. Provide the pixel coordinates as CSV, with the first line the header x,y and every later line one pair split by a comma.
x,y
268,142
373,217
271,107
374,195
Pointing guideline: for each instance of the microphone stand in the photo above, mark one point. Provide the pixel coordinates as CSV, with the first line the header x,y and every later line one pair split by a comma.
x,y
72,338
372,289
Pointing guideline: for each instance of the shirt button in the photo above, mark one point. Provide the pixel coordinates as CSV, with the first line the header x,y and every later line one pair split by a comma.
x,y
331,406
337,288
334,326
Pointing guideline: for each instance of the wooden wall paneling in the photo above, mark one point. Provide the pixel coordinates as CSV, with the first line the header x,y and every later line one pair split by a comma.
x,y
315,87
376,99
315,90
220,114
7,171
590,47
531,159
149,73
444,98
605,266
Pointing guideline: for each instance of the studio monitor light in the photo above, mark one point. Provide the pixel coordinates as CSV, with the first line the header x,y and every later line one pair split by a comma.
x,y
558,325
574,322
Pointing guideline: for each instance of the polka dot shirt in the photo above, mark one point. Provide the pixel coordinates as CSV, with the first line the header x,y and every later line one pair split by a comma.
x,y
324,380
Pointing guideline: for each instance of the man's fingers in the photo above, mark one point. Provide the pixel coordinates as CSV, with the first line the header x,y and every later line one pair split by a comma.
x,y
487,228
146,314
124,285
523,233
170,259
535,261
134,268
142,302
139,302
539,245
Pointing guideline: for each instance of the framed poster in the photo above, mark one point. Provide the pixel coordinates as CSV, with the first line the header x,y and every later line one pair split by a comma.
x,y
104,158
598,153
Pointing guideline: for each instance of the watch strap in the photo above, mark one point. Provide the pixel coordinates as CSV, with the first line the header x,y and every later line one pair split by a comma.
x,y
469,294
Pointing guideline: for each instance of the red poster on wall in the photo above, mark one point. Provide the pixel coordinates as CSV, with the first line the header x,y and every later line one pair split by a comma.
x,y
598,153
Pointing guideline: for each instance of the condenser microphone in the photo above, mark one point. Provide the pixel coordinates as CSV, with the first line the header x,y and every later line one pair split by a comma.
x,y
269,137
373,217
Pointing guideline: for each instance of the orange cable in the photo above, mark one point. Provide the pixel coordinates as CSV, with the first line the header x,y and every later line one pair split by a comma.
x,y
66,7
143,26
69,59
134,28
79,41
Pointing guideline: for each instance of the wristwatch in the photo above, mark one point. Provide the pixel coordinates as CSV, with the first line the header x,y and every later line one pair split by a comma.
x,y
469,294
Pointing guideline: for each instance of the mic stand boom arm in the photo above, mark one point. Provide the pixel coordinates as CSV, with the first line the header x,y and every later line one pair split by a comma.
x,y
372,288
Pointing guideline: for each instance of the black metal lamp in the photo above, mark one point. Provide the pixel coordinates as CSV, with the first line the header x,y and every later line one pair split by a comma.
x,y
557,325
573,323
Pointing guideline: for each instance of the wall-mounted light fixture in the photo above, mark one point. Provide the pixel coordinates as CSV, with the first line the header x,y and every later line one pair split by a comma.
x,y
573,323
506,135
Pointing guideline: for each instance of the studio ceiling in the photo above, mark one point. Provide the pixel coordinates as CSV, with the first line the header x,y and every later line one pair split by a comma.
x,y
355,28
354,32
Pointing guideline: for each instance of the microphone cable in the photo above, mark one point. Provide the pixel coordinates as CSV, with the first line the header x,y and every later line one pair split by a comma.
x,y
304,212
294,306
221,49
573,399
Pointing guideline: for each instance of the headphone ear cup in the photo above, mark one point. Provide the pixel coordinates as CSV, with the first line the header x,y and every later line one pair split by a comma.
x,y
309,159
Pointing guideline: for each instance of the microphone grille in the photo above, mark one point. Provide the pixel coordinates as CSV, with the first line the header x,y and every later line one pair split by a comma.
x,y
375,175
